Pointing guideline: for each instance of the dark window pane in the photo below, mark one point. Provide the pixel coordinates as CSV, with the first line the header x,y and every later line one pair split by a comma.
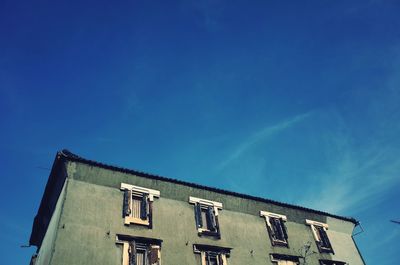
x,y
204,217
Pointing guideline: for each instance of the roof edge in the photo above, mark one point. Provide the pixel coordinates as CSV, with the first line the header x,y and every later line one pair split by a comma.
x,y
73,157
47,205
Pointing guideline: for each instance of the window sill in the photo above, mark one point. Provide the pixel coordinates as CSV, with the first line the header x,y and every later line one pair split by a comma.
x,y
132,220
205,232
277,243
325,250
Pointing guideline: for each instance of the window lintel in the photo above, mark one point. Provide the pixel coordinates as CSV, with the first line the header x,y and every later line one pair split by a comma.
x,y
198,248
194,200
152,193
315,223
120,239
274,215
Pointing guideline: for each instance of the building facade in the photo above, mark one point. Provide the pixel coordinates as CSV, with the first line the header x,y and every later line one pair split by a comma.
x,y
92,213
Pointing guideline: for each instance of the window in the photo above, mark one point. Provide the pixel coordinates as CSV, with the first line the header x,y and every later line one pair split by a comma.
x,y
140,251
320,236
331,262
280,259
138,204
206,216
211,255
276,228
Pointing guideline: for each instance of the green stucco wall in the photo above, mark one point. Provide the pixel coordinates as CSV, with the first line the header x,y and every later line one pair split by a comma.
x,y
91,218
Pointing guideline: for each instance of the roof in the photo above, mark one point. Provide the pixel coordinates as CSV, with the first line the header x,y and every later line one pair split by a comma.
x,y
73,157
58,175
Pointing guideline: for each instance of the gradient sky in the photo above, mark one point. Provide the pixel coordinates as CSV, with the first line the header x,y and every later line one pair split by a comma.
x,y
296,101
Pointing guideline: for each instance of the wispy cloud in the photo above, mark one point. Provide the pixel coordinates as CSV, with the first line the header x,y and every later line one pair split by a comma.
x,y
355,181
364,164
259,136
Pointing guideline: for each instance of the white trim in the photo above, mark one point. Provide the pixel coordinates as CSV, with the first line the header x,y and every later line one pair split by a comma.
x,y
125,250
203,256
224,261
132,220
195,200
152,193
201,230
117,240
315,233
311,222
267,216
125,253
275,215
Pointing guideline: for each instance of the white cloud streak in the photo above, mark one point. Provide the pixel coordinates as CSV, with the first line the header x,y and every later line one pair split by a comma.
x,y
361,174
259,136
354,184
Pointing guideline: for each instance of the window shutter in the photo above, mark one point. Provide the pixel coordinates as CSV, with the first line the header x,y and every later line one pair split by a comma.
x,y
150,215
132,253
220,260
217,227
283,228
275,232
197,215
153,255
279,226
211,225
324,238
126,205
208,259
143,207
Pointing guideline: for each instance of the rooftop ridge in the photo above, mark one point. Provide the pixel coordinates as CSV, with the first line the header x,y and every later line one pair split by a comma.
x,y
74,157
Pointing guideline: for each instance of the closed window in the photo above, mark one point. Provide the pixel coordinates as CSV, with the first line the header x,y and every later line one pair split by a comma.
x,y
276,228
280,259
321,237
140,251
212,255
206,216
138,205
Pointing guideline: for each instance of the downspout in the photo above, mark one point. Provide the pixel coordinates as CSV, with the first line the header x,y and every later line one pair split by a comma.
x,y
353,235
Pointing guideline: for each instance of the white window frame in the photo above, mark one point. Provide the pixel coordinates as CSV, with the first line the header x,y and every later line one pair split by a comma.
x,y
313,224
315,232
138,191
125,250
203,255
267,216
203,202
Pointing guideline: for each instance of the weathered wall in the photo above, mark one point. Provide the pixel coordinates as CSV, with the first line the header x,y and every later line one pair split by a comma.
x,y
47,247
92,217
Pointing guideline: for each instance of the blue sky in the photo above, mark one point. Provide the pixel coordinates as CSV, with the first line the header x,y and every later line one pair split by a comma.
x,y
298,96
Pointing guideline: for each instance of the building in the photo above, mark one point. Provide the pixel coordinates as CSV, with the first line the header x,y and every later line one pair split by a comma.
x,y
93,213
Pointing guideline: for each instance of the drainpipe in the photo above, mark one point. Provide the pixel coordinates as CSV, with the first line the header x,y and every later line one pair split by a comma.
x,y
353,235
